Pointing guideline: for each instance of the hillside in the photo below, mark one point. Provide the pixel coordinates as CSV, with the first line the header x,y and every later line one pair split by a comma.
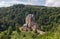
x,y
48,19
31,35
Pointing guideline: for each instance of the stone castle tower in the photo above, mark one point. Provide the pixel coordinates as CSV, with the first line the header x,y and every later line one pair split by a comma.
x,y
30,23
30,19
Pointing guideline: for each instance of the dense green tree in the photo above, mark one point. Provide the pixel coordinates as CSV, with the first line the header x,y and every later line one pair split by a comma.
x,y
17,29
16,14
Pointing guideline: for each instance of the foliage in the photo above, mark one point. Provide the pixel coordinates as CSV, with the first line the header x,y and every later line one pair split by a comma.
x,y
45,16
48,19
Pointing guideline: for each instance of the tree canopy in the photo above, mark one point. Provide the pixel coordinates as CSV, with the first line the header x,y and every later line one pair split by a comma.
x,y
46,17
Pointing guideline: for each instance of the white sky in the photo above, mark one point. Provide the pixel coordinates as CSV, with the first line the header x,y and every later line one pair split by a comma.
x,y
50,3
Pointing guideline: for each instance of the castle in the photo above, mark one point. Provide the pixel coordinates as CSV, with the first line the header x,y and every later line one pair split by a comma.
x,y
30,24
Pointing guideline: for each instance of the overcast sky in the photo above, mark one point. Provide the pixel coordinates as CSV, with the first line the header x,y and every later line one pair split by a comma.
x,y
50,3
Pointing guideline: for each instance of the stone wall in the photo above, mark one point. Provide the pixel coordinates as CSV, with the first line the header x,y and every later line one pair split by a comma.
x,y
31,24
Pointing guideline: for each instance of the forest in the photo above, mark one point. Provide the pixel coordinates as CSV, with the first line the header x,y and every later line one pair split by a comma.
x,y
13,17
